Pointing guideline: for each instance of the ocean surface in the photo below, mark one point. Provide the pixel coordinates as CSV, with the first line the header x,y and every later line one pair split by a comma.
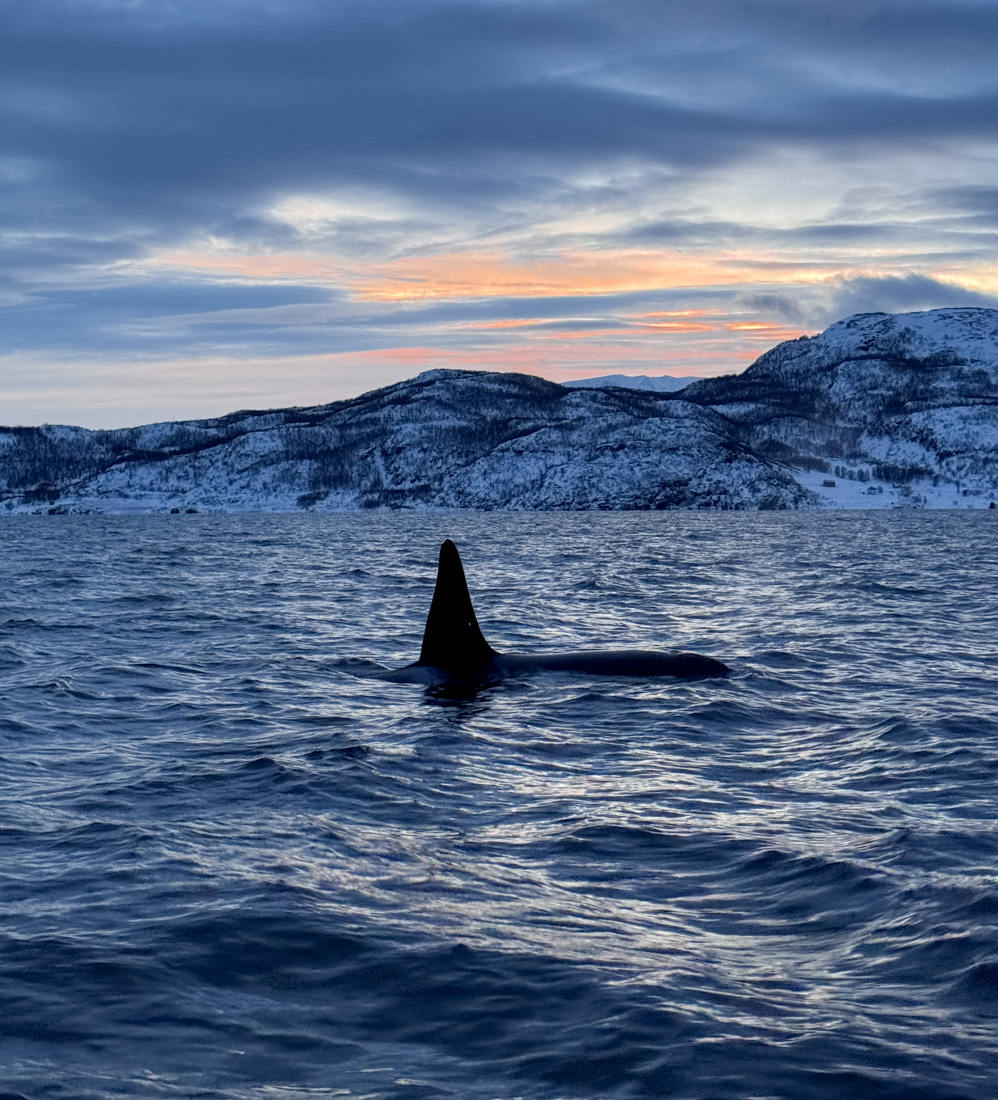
x,y
235,866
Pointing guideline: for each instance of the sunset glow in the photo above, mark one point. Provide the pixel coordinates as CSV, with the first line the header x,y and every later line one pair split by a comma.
x,y
563,189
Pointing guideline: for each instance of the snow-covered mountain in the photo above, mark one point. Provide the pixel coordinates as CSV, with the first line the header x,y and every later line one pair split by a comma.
x,y
901,407
660,383
878,410
444,439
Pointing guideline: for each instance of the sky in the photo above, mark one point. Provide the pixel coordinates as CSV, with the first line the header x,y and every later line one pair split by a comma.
x,y
241,204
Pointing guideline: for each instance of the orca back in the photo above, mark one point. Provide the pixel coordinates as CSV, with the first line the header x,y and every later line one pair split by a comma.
x,y
452,638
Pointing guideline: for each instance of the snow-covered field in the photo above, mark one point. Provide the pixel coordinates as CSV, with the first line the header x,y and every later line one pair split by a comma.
x,y
854,494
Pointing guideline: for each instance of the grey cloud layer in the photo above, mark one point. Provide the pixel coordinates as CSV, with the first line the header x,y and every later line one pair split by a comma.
x,y
152,111
818,307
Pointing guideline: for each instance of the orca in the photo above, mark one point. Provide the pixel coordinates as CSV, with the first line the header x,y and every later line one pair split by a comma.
x,y
455,651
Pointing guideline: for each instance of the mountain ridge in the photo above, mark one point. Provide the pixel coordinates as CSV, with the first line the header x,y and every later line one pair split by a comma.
x,y
878,410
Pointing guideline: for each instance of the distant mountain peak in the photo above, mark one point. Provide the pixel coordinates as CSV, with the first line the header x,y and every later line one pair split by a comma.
x,y
659,383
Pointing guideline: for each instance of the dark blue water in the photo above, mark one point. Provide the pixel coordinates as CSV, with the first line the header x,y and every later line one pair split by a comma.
x,y
232,866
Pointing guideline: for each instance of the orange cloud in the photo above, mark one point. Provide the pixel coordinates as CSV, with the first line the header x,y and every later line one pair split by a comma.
x,y
766,334
673,313
651,326
486,275
979,277
677,326
523,323
478,274
702,341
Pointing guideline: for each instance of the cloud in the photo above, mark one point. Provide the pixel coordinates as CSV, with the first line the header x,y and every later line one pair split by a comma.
x,y
139,112
975,206
815,308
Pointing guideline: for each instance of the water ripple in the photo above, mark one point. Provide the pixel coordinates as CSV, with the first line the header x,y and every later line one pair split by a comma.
x,y
238,867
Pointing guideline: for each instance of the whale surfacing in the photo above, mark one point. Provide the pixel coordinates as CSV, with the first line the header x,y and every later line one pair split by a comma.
x,y
454,649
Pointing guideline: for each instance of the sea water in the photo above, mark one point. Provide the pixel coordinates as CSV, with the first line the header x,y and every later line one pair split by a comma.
x,y
235,866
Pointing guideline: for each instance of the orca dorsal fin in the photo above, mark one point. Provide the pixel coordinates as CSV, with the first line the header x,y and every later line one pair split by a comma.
x,y
452,637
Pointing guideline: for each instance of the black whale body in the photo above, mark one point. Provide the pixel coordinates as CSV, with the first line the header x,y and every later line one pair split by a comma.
x,y
455,650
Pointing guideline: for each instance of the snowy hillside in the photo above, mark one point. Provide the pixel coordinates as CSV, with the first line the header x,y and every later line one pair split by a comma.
x,y
905,405
880,410
445,439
